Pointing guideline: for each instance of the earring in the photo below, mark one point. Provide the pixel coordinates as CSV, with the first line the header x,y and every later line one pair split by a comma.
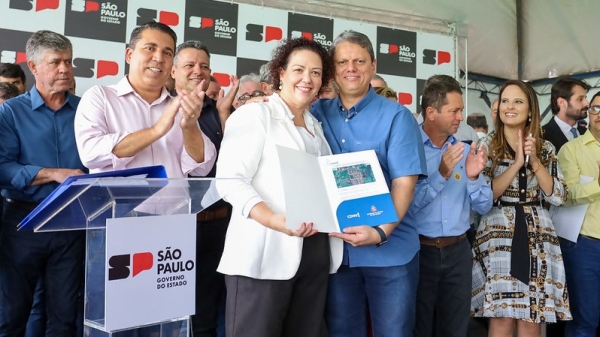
x,y
280,83
529,119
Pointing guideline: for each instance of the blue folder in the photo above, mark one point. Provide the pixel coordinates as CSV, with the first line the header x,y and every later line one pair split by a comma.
x,y
81,195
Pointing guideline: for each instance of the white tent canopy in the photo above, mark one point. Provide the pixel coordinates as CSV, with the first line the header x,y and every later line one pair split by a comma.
x,y
507,39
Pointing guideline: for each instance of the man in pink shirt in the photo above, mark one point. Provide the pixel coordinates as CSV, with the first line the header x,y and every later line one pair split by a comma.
x,y
136,122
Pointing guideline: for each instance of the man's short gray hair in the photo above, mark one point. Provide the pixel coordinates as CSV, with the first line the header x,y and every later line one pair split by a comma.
x,y
44,40
190,44
356,38
252,77
264,73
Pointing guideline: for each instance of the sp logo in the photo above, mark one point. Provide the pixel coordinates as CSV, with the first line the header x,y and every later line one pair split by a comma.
x,y
84,6
298,34
119,265
200,22
28,5
259,33
11,56
385,48
146,15
405,98
223,79
87,68
434,57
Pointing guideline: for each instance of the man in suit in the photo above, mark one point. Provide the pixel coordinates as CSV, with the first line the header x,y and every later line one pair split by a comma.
x,y
569,104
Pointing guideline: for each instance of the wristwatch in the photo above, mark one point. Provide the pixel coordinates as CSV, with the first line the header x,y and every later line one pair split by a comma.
x,y
381,235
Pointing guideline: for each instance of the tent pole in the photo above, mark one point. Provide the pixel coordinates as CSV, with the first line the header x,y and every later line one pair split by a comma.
x,y
519,8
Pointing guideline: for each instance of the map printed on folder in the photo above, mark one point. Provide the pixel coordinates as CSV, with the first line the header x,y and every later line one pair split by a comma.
x,y
334,192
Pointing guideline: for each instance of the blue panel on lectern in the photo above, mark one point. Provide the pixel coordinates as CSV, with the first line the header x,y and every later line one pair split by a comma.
x,y
72,202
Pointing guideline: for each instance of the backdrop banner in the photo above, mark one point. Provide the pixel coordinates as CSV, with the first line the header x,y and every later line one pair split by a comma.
x,y
240,38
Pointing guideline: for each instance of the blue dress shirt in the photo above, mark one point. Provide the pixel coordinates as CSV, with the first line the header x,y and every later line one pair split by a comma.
x,y
32,137
442,207
376,123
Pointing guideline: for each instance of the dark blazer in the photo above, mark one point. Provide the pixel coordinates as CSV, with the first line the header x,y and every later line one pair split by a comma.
x,y
552,133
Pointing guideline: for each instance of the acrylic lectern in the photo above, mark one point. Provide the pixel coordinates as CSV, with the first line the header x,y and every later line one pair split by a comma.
x,y
140,249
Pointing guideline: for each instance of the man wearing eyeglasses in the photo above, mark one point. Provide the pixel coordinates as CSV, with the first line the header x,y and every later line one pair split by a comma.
x,y
579,158
569,104
249,88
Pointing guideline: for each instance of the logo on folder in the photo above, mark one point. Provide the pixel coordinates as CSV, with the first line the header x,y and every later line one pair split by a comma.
x,y
374,211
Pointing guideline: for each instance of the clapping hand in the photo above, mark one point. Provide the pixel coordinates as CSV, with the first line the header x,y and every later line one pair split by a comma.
x,y
191,105
476,161
451,157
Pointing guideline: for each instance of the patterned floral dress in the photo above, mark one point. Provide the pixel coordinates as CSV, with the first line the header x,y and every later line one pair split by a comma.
x,y
495,293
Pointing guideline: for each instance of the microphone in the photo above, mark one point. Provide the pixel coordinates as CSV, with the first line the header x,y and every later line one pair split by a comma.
x,y
527,156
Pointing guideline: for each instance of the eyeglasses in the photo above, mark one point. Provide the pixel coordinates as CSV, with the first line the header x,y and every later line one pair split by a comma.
x,y
594,109
247,96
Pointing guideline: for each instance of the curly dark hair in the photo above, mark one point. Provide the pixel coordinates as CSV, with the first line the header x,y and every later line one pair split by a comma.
x,y
282,54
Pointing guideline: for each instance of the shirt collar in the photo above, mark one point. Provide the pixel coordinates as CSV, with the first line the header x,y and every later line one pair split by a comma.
x,y
37,100
586,138
566,128
361,105
427,141
124,88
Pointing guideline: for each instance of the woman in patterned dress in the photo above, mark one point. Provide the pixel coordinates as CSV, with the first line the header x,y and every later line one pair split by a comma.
x,y
518,272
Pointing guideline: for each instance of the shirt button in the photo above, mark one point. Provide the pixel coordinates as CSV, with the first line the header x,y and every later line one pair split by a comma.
x,y
343,140
522,174
445,220
522,191
346,120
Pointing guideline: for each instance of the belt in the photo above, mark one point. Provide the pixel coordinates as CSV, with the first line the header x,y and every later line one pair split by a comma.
x,y
520,256
443,241
25,205
589,237
214,214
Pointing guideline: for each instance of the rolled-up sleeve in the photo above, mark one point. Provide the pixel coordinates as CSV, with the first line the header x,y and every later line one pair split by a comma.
x,y
190,166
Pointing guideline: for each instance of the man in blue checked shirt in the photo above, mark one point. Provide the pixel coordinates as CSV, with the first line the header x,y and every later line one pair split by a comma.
x,y
440,210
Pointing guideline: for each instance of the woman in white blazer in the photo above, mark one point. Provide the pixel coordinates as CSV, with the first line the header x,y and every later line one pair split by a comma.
x,y
276,277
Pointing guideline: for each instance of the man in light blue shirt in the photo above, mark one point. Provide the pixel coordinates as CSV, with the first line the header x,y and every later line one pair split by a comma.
x,y
37,153
384,276
441,209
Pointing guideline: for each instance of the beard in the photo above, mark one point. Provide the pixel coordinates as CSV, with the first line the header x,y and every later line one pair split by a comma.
x,y
575,114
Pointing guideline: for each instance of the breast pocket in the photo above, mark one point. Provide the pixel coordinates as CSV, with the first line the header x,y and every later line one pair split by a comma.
x,y
363,145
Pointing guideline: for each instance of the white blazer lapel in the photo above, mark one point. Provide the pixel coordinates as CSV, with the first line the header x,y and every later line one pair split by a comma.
x,y
281,113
